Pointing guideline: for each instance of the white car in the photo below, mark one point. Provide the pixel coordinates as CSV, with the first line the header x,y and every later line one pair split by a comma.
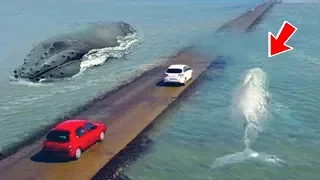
x,y
178,73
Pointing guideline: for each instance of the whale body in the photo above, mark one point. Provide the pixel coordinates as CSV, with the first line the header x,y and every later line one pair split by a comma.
x,y
252,102
60,56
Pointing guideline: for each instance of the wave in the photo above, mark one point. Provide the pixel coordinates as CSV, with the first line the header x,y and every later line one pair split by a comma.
x,y
247,154
97,57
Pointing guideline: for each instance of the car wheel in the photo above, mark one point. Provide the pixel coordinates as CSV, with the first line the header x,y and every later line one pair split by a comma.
x,y
77,154
101,136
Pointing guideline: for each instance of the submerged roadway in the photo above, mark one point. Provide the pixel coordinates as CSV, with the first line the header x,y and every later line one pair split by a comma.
x,y
126,112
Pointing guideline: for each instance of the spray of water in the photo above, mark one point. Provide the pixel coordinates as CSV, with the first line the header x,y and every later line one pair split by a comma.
x,y
98,56
251,104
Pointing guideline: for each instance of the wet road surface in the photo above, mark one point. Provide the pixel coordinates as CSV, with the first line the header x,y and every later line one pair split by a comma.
x,y
126,112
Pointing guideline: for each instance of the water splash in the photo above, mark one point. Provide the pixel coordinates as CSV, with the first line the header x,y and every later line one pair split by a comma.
x,y
247,154
99,56
251,104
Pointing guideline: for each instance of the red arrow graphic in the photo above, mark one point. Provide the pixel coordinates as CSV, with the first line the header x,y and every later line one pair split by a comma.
x,y
277,45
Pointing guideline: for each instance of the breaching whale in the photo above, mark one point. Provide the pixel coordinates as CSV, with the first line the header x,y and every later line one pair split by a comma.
x,y
61,56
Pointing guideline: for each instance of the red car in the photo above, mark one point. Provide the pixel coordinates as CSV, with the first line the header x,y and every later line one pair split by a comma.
x,y
70,138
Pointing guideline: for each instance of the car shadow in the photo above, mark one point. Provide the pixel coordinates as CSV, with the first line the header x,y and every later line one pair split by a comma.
x,y
162,84
46,158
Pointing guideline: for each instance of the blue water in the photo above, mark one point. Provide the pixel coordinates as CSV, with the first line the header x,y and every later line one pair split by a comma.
x,y
191,136
164,28
199,130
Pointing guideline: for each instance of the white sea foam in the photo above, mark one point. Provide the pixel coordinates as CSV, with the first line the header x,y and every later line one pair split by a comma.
x,y
99,56
247,154
26,82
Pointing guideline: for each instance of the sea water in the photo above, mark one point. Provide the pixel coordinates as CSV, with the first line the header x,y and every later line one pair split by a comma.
x,y
200,129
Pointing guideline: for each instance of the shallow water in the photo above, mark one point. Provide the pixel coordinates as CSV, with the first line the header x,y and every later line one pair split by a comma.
x,y
197,131
164,28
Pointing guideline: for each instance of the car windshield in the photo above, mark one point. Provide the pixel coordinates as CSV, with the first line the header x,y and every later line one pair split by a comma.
x,y
58,136
174,71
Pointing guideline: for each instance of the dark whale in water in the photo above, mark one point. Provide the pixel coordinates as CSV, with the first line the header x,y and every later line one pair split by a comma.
x,y
60,56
